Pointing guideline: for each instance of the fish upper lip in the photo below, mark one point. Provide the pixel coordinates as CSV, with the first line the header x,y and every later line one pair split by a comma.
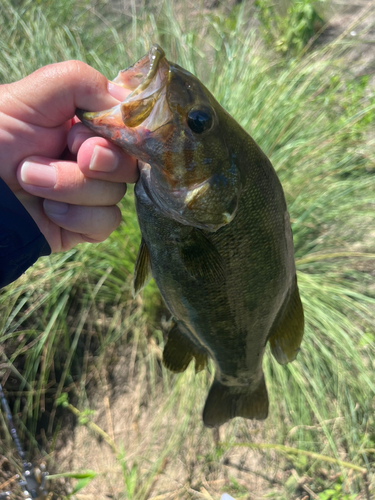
x,y
150,83
155,55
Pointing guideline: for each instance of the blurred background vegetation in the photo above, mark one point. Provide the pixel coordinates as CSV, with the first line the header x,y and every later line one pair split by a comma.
x,y
75,348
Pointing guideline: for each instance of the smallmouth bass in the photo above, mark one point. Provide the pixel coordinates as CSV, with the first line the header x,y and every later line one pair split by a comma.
x,y
216,234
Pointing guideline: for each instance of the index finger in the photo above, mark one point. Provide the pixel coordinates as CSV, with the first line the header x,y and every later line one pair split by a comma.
x,y
49,96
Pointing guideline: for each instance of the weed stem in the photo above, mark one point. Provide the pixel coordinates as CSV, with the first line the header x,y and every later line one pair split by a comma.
x,y
94,427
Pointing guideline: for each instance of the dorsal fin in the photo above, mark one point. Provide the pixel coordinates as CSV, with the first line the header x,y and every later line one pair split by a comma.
x,y
142,269
286,341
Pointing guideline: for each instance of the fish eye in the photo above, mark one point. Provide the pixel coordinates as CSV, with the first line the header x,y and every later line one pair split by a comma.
x,y
200,119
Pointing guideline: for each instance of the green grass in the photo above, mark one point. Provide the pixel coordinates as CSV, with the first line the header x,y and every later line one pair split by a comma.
x,y
71,326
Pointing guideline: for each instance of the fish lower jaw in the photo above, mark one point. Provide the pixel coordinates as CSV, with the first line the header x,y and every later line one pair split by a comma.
x,y
188,217
188,194
192,194
197,223
227,217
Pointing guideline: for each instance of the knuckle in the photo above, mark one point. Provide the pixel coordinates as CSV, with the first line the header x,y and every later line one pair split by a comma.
x,y
89,80
75,66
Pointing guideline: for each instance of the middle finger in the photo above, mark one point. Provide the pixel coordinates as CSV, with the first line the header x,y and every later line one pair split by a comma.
x,y
63,181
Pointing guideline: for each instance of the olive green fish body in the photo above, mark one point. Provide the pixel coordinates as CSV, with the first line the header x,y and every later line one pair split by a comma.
x,y
216,234
228,316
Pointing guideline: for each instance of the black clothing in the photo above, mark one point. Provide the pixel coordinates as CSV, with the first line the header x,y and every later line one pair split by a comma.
x,y
21,242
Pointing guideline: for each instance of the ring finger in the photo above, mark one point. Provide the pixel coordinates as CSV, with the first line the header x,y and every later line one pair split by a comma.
x,y
93,223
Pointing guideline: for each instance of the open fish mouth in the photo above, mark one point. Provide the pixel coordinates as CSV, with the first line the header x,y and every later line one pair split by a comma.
x,y
147,79
144,72
143,111
167,123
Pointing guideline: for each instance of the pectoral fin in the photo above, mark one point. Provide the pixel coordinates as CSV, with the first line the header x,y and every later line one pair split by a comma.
x,y
226,402
201,258
285,343
179,351
142,269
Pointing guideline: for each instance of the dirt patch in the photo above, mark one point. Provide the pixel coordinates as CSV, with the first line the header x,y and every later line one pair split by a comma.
x,y
353,24
161,451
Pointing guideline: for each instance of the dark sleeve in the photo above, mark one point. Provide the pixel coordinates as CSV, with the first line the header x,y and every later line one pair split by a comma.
x,y
21,242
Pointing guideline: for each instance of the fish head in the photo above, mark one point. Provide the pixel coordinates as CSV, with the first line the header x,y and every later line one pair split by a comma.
x,y
178,131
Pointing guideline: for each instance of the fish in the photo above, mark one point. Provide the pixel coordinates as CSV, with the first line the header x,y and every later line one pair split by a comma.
x,y
216,233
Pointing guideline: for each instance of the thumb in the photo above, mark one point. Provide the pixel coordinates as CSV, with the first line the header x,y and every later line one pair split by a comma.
x,y
49,96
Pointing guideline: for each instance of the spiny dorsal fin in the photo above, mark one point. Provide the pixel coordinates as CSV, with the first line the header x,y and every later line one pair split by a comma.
x,y
285,343
179,351
142,269
226,402
201,258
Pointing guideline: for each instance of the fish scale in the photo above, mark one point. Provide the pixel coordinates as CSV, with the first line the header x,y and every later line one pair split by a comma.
x,y
216,235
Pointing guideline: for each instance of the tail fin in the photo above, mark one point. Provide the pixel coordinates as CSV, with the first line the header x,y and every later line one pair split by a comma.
x,y
226,402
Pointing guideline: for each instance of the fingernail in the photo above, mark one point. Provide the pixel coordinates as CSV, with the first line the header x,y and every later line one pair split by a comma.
x,y
103,160
38,174
52,207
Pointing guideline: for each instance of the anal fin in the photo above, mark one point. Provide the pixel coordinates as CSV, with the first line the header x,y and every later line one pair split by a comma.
x,y
179,351
286,341
226,402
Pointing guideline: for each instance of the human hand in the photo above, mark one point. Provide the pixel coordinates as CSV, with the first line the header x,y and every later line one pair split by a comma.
x,y
67,179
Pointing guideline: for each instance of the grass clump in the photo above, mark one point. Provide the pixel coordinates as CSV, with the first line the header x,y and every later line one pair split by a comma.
x,y
70,324
289,26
